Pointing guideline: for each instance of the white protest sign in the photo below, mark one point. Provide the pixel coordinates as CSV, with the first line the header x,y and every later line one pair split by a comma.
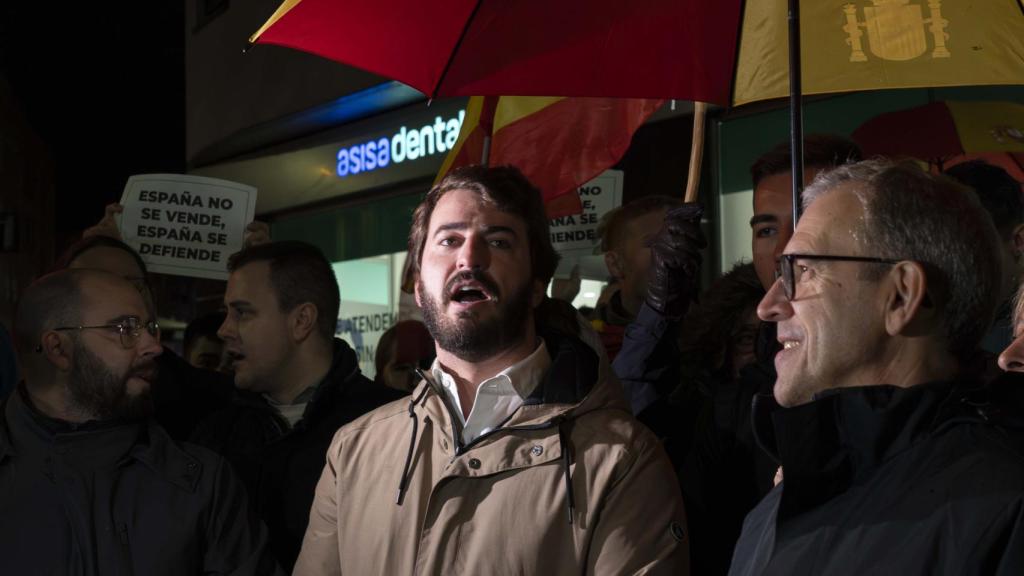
x,y
575,237
186,225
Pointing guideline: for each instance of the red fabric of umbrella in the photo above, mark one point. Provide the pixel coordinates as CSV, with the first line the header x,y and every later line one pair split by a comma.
x,y
924,132
939,131
682,49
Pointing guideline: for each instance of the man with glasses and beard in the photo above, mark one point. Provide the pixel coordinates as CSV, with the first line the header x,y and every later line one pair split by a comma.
x,y
517,452
183,395
90,484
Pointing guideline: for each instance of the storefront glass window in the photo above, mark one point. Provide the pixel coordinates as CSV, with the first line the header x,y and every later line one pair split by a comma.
x,y
371,303
735,209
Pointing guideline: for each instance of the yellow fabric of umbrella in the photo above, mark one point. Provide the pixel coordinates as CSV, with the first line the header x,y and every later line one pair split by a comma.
x,y
850,45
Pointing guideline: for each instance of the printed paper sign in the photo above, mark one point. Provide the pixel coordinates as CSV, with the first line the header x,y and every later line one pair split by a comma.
x,y
186,225
577,234
575,237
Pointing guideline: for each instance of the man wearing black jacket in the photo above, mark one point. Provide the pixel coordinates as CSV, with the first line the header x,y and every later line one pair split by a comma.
x,y
891,462
90,484
296,383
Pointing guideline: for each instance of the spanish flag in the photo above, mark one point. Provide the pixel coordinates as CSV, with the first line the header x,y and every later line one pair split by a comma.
x,y
851,45
558,143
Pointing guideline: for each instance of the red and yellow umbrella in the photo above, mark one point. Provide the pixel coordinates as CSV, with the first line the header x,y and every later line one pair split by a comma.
x,y
727,52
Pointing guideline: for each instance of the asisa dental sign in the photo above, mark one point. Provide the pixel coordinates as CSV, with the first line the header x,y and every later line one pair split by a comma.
x,y
404,145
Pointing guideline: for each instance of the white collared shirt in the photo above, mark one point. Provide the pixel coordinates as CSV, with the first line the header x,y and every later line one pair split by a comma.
x,y
498,397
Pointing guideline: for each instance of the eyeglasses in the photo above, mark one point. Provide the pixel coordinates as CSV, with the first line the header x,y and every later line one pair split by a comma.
x,y
129,329
789,275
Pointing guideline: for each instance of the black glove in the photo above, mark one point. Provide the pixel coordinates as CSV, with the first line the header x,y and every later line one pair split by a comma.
x,y
675,261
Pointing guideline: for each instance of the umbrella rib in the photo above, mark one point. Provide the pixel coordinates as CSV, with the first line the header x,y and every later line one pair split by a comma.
x,y
455,50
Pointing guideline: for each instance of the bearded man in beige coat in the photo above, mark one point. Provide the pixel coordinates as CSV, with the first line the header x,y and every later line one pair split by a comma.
x,y
516,453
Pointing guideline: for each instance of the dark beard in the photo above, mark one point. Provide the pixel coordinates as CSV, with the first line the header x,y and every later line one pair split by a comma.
x,y
103,395
471,338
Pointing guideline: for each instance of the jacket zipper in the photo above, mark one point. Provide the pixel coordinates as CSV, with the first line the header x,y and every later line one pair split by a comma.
x,y
461,448
126,554
456,422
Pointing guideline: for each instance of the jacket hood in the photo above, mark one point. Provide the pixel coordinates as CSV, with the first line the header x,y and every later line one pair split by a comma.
x,y
579,379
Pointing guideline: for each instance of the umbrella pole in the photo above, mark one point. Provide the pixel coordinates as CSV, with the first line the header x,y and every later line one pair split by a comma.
x,y
796,110
485,155
696,151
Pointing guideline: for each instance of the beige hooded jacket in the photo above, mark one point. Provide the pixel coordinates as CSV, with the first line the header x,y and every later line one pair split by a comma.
x,y
571,484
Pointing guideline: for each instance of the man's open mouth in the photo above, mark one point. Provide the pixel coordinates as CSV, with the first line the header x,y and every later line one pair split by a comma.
x,y
468,293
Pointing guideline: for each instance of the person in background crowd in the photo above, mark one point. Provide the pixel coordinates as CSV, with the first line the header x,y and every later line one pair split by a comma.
x,y
717,343
401,350
890,462
91,484
625,236
726,473
8,364
1002,197
297,383
183,395
202,347
722,328
521,455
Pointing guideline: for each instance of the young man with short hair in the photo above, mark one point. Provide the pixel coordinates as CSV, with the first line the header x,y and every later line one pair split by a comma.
x,y
516,452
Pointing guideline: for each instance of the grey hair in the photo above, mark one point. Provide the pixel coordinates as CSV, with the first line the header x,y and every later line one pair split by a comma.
x,y
933,220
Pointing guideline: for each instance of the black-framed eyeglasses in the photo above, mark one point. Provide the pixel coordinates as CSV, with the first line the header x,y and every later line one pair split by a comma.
x,y
790,276
130,330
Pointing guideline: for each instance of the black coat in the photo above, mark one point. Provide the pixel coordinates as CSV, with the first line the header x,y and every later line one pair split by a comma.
x,y
706,431
184,396
887,480
280,466
116,499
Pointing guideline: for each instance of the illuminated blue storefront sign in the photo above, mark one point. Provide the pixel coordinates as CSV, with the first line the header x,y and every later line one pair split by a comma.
x,y
404,145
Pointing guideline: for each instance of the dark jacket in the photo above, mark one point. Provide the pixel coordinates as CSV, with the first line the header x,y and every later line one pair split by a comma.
x,y
184,396
887,480
706,431
114,499
280,466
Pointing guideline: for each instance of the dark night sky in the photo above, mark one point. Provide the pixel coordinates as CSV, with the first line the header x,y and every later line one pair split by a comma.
x,y
102,84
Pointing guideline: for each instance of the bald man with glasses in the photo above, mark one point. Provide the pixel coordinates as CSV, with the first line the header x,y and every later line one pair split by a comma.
x,y
90,484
